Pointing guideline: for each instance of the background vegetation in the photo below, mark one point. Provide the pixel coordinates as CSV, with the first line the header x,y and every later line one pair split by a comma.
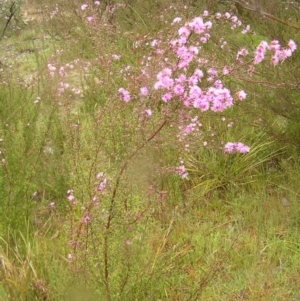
x,y
92,205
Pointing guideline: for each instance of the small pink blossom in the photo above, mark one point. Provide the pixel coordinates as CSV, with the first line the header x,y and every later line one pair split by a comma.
x,y
260,52
226,70
242,148
234,19
97,2
86,219
236,147
176,20
227,15
62,72
292,45
197,25
90,18
71,197
148,112
178,89
244,31
167,97
241,53
154,43
184,31
124,94
100,175
102,185
84,6
182,171
144,91
241,95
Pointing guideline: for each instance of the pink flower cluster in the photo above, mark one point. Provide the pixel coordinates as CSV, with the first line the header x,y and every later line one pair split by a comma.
x,y
184,85
217,98
85,6
236,147
279,54
195,81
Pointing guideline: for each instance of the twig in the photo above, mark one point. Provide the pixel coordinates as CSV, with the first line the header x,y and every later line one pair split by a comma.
x,y
259,10
12,12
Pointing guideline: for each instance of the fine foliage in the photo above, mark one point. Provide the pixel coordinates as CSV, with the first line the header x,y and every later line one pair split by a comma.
x,y
149,151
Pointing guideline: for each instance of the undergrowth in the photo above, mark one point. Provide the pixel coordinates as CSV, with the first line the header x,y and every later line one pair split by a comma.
x,y
113,189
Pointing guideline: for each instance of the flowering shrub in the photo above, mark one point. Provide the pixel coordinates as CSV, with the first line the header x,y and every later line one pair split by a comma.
x,y
192,81
149,110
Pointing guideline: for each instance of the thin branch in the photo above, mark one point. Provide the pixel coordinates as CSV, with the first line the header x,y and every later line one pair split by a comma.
x,y
12,11
258,8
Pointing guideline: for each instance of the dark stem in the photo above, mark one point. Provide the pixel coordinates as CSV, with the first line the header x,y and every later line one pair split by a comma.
x,y
112,202
12,12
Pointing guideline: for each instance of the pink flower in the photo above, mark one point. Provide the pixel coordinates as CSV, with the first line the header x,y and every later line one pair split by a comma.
x,y
241,95
292,45
97,2
71,197
189,128
184,31
167,96
84,6
144,91
90,18
260,52
148,112
234,19
154,43
124,94
178,89
275,60
242,148
62,71
226,70
244,31
176,20
182,171
236,147
100,175
227,15
86,219
229,148
241,53
197,25
102,185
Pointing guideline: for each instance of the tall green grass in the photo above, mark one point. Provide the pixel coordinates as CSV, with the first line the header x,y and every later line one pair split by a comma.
x,y
227,232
